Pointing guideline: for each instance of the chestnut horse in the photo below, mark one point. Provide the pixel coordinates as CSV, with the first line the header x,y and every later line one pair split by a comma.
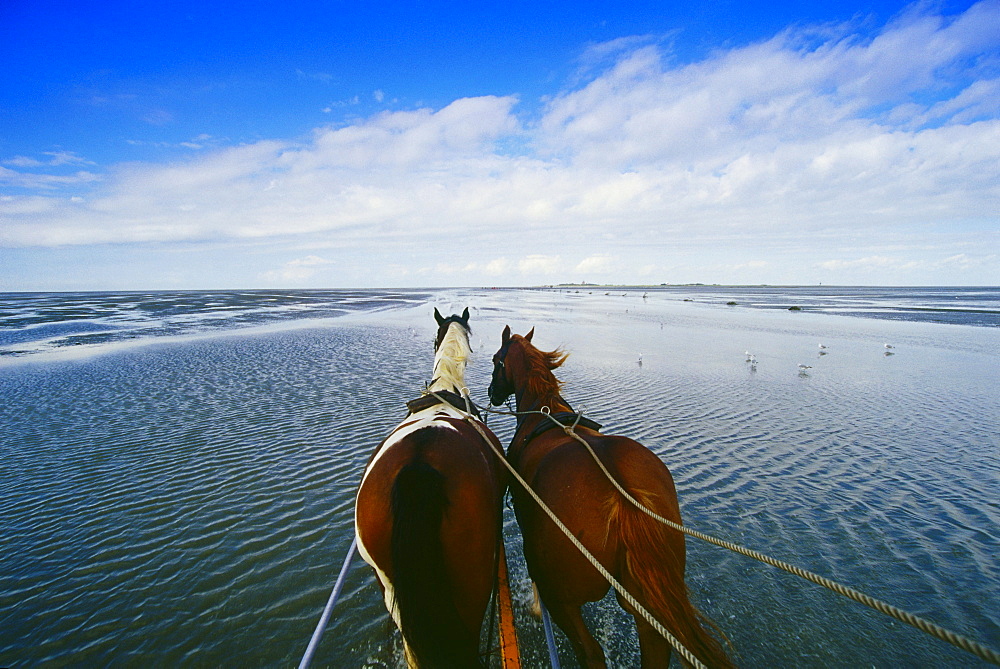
x,y
643,555
428,515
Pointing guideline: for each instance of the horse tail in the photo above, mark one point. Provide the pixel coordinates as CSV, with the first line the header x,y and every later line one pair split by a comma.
x,y
428,618
654,563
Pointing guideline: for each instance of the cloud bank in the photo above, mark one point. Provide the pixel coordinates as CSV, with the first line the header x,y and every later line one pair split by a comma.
x,y
819,151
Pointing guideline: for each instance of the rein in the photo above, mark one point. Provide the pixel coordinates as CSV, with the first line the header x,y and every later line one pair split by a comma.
x,y
922,624
688,655
571,418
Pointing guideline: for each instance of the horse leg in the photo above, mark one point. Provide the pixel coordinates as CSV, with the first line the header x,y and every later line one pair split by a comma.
x,y
569,618
653,647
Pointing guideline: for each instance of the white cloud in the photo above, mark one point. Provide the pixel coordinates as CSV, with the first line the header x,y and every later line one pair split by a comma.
x,y
493,268
33,181
51,159
201,141
309,261
979,101
497,267
752,265
158,117
296,271
960,261
597,264
463,128
538,264
870,261
816,133
325,77
341,103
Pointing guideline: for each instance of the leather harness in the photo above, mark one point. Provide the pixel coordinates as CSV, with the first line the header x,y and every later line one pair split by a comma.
x,y
454,399
565,418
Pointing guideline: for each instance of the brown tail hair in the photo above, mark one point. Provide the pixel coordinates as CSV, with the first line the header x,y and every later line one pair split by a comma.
x,y
655,562
429,620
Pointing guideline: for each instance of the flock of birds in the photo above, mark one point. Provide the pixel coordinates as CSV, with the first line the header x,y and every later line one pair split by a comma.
x,y
751,359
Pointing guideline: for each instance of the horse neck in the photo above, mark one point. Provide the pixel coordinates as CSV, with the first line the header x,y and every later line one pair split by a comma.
x,y
450,360
535,386
536,393
530,402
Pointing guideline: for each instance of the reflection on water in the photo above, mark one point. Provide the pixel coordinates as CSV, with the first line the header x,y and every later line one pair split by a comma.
x,y
191,503
36,322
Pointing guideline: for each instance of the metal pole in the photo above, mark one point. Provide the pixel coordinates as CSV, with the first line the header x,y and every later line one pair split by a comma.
x,y
550,638
325,618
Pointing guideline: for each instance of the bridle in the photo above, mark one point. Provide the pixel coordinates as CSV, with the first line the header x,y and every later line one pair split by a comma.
x,y
500,375
564,418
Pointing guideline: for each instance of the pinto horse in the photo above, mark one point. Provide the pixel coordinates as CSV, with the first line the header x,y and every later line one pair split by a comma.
x,y
428,514
643,555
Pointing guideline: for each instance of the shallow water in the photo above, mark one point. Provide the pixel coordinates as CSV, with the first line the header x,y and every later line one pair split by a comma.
x,y
37,323
190,501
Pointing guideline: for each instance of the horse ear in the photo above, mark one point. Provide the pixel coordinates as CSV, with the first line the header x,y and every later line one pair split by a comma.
x,y
531,333
505,337
465,315
438,317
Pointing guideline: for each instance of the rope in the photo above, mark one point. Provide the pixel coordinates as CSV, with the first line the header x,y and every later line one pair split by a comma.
x,y
688,655
922,624
325,618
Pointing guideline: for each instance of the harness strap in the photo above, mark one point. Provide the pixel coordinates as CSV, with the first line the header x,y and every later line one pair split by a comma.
x,y
654,623
922,624
565,419
440,397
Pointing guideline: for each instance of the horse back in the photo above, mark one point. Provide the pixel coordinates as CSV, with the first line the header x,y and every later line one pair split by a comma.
x,y
644,555
571,483
471,474
428,519
563,466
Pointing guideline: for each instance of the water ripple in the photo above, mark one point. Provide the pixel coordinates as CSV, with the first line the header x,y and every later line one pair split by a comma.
x,y
192,503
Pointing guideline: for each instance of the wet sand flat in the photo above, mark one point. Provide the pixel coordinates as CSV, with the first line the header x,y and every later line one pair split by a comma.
x,y
190,501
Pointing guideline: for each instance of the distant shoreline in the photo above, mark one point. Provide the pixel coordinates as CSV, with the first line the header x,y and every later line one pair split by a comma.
x,y
745,285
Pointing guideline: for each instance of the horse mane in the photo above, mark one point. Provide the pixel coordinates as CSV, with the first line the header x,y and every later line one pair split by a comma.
x,y
451,358
539,365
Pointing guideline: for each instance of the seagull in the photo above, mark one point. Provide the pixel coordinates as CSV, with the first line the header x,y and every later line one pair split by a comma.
x,y
822,346
889,346
640,359
803,368
749,355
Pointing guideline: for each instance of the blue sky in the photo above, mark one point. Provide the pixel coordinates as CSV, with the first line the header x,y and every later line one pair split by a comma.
x,y
300,144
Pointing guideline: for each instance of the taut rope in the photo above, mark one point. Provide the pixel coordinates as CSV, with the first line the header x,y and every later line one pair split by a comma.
x,y
922,624
688,655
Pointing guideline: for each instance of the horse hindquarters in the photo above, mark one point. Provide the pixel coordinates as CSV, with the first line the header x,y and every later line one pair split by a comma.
x,y
429,619
653,572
